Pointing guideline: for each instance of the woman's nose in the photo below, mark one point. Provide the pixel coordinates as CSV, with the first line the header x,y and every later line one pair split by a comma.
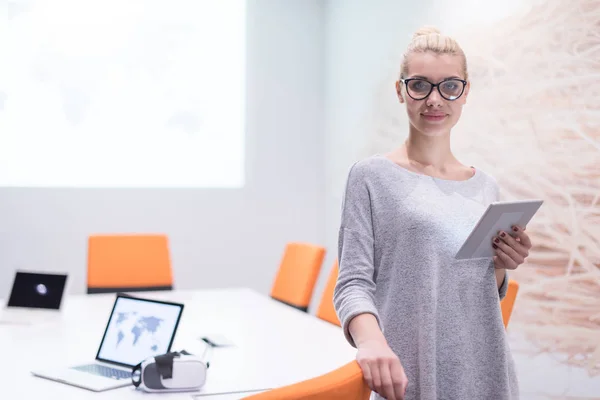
x,y
434,98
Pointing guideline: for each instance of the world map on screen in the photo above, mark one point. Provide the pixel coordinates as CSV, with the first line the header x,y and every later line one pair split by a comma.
x,y
133,330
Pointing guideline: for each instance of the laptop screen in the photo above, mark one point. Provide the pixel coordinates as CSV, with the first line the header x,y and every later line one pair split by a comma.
x,y
137,329
37,290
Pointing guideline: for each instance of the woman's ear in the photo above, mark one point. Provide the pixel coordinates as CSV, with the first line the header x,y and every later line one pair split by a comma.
x,y
399,91
467,90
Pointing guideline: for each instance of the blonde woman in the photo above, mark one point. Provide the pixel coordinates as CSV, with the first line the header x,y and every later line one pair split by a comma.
x,y
425,326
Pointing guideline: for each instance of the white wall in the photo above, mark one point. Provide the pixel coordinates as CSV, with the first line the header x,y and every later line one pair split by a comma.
x,y
364,41
218,237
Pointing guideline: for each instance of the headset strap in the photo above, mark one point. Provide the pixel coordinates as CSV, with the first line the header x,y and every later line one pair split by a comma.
x,y
137,382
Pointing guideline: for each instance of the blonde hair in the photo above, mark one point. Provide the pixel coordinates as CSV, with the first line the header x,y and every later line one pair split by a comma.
x,y
429,38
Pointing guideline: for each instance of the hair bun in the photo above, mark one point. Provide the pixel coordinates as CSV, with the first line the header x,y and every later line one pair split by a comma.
x,y
426,30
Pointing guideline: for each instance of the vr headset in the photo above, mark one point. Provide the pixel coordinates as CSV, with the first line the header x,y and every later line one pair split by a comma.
x,y
170,372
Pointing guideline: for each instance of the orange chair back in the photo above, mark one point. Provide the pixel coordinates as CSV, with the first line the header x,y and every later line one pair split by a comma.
x,y
128,263
345,383
508,302
297,275
326,310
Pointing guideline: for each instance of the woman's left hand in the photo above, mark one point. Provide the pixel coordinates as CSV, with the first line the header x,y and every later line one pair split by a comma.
x,y
511,251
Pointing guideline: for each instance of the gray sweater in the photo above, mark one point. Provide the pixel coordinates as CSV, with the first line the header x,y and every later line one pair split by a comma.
x,y
399,233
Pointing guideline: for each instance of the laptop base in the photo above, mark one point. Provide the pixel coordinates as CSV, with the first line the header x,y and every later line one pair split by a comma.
x,y
83,380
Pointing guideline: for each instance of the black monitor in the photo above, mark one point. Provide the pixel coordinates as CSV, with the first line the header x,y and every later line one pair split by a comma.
x,y
37,290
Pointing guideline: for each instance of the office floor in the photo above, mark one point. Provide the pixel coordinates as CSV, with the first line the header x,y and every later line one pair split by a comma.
x,y
542,376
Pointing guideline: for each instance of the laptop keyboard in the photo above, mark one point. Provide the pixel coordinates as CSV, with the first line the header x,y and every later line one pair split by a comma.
x,y
105,371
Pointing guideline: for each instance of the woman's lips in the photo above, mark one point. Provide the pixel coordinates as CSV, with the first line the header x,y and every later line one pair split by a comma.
x,y
434,117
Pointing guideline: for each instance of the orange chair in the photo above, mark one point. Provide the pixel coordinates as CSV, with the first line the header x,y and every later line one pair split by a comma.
x,y
128,263
326,310
345,383
508,302
297,275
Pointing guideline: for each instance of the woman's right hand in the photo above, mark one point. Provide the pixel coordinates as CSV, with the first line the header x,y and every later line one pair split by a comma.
x,y
382,369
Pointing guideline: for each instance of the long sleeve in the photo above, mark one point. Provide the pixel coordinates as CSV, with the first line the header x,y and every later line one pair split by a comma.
x,y
504,287
354,293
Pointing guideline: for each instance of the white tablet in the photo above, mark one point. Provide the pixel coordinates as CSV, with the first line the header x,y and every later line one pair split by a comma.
x,y
498,216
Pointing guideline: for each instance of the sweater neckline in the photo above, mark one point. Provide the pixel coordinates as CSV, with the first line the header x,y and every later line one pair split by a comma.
x,y
434,178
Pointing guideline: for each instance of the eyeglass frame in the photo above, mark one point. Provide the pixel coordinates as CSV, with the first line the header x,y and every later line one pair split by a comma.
x,y
405,81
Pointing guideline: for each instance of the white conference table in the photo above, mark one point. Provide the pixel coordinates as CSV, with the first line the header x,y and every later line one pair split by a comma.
x,y
275,345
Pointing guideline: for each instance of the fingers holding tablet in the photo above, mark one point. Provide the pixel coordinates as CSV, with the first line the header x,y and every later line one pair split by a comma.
x,y
501,217
522,236
504,261
510,252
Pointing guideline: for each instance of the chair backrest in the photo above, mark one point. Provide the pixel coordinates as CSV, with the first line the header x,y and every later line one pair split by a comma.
x,y
326,310
297,275
345,383
128,263
508,302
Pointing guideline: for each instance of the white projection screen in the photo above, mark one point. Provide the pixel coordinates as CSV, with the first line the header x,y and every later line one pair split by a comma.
x,y
122,93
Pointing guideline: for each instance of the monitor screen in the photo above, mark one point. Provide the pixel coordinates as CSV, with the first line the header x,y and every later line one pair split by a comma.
x,y
34,290
138,329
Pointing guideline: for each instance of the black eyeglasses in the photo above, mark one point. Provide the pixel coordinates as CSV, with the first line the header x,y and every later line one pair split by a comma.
x,y
450,89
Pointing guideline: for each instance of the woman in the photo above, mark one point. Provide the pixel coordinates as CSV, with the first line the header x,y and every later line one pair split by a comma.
x,y
426,326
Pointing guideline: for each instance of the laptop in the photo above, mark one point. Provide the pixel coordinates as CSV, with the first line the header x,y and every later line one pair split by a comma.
x,y
137,328
34,297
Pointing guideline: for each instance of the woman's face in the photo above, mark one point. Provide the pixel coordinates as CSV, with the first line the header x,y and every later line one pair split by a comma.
x,y
433,115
